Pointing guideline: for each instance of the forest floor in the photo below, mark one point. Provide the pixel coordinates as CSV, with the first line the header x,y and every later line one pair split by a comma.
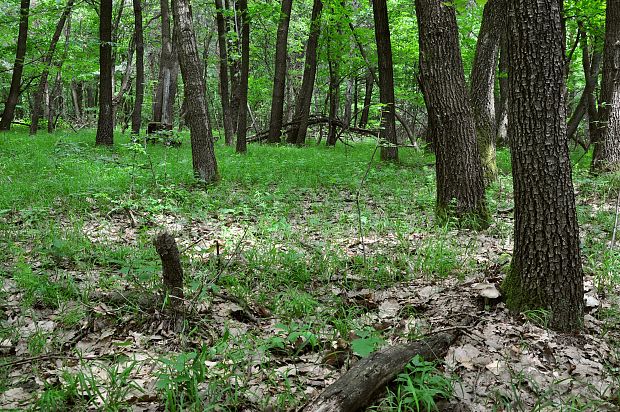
x,y
295,267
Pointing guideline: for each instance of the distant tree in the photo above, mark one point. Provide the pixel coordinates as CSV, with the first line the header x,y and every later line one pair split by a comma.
x,y
606,155
546,267
105,124
483,84
37,107
367,100
136,119
9,107
243,84
297,133
389,151
279,77
460,186
222,38
165,94
203,153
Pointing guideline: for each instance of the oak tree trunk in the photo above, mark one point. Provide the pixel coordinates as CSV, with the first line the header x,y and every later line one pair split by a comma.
x,y
9,107
203,153
387,135
279,78
298,132
460,185
105,124
136,119
606,155
242,124
483,84
546,265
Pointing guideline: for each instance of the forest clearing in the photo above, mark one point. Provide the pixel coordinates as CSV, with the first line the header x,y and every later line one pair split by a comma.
x,y
393,205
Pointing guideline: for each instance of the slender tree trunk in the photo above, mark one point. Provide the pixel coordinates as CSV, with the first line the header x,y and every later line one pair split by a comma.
x,y
165,94
460,184
222,38
234,62
18,67
387,135
606,155
243,83
277,99
203,153
136,119
77,99
47,60
334,98
501,115
546,265
483,84
591,68
594,127
299,130
367,101
105,125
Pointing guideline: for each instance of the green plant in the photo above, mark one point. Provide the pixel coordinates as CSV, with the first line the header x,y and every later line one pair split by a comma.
x,y
180,381
417,388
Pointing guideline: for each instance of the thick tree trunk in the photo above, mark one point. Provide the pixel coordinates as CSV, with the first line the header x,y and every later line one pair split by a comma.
x,y
222,39
47,61
105,125
302,107
546,265
136,119
18,67
242,124
203,153
367,101
165,94
168,252
606,155
277,97
387,136
483,84
460,184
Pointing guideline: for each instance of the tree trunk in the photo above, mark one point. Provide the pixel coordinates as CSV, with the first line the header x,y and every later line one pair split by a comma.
x,y
460,185
367,101
279,77
18,67
203,153
242,124
165,94
47,60
105,125
591,67
76,97
302,107
234,65
222,38
501,114
334,98
168,252
546,265
387,136
606,155
136,119
483,84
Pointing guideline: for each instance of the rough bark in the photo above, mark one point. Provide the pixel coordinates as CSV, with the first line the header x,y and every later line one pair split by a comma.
x,y
136,117
606,156
298,133
387,136
222,39
279,77
546,265
105,124
502,108
168,252
483,84
165,94
242,124
203,153
47,61
22,38
460,185
367,378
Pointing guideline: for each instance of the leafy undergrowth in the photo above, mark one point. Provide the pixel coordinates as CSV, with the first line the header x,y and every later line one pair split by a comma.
x,y
289,280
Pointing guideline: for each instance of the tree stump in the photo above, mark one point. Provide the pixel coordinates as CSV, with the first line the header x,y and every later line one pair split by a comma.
x,y
170,257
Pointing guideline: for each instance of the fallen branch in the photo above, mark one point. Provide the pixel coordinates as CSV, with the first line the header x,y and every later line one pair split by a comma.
x,y
360,385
